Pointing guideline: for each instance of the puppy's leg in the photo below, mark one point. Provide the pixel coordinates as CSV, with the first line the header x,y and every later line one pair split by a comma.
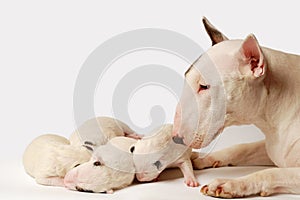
x,y
265,183
53,181
188,173
241,154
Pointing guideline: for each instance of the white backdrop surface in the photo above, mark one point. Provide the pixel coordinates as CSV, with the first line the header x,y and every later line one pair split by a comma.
x,y
44,44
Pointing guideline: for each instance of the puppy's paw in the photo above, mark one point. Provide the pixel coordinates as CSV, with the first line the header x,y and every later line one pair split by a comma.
x,y
191,182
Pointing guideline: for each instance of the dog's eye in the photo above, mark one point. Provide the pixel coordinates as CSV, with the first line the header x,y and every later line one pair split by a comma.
x,y
132,149
158,164
76,165
203,87
97,163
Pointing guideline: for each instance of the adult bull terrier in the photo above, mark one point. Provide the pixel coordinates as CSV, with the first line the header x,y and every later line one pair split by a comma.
x,y
261,87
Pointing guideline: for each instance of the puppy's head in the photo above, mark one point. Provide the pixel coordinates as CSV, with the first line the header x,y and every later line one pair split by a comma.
x,y
148,162
153,154
95,176
111,167
222,87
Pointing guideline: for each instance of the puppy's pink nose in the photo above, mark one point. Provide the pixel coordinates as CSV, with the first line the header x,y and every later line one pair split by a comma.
x,y
140,176
69,180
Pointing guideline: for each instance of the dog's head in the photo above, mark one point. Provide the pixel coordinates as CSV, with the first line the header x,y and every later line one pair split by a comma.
x,y
223,87
110,167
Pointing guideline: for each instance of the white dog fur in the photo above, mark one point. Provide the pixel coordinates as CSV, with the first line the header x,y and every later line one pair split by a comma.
x,y
157,152
100,130
261,88
111,167
48,158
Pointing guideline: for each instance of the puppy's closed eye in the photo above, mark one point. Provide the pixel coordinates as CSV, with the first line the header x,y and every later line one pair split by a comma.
x,y
88,148
89,143
97,163
76,165
132,149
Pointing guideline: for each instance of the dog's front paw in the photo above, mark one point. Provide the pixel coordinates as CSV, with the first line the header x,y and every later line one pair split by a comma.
x,y
227,188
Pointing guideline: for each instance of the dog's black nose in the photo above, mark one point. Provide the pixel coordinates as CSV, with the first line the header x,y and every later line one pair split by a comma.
x,y
178,140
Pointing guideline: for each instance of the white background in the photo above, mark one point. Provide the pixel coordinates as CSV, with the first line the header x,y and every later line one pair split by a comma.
x,y
43,45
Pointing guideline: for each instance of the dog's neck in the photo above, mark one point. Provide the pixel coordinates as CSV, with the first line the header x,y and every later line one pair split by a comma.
x,y
281,91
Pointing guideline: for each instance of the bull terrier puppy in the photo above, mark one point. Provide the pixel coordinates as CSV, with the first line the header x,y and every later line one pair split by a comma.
x,y
49,157
111,167
100,130
261,87
157,152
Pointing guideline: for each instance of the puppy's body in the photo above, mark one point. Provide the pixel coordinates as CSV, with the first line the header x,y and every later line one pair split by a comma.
x,y
153,154
48,158
111,167
100,130
260,87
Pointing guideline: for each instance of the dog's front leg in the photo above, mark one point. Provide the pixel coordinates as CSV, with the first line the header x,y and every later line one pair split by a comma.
x,y
241,154
265,183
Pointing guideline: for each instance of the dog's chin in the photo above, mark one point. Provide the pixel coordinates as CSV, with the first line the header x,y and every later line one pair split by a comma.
x,y
197,140
202,141
197,143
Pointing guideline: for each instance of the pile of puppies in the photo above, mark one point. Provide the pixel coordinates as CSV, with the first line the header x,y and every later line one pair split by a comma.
x,y
103,155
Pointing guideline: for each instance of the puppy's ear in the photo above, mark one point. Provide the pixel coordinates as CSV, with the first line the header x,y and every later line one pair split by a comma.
x,y
215,35
252,58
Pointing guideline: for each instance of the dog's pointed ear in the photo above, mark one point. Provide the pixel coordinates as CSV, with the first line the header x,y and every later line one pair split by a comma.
x,y
252,56
215,35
